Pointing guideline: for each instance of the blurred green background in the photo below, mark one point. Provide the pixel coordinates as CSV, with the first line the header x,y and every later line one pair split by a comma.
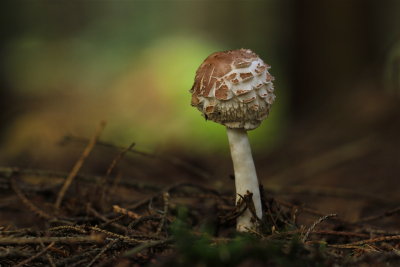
x,y
66,65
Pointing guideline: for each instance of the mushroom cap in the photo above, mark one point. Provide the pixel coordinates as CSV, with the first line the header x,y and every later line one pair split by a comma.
x,y
234,88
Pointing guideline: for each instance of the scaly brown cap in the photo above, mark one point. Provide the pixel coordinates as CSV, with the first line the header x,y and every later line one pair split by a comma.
x,y
234,88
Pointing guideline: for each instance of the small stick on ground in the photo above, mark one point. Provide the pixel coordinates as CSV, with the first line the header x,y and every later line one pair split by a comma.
x,y
118,158
22,263
68,227
28,203
338,233
103,250
79,164
78,256
102,184
143,219
48,256
368,241
318,232
307,210
145,245
114,235
374,231
110,221
131,214
380,216
103,218
56,239
312,227
165,212
174,161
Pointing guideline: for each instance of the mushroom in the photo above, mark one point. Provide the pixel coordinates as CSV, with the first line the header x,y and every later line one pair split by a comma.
x,y
234,88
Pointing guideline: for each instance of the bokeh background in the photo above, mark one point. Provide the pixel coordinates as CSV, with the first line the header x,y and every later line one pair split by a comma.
x,y
66,65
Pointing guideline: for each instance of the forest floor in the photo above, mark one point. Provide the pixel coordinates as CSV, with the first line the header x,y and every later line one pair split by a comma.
x,y
330,197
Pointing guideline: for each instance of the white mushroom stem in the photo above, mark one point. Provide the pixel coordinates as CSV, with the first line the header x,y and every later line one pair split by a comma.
x,y
245,176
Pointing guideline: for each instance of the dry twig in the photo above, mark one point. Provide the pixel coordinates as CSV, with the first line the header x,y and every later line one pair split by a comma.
x,y
103,250
56,239
79,164
28,203
48,256
145,245
118,158
365,242
103,218
379,216
312,227
131,214
22,263
165,212
68,227
118,236
317,232
308,210
174,161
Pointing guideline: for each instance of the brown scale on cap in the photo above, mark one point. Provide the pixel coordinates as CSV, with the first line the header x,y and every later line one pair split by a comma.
x,y
246,76
240,63
233,88
260,69
235,81
258,86
222,92
241,92
232,76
